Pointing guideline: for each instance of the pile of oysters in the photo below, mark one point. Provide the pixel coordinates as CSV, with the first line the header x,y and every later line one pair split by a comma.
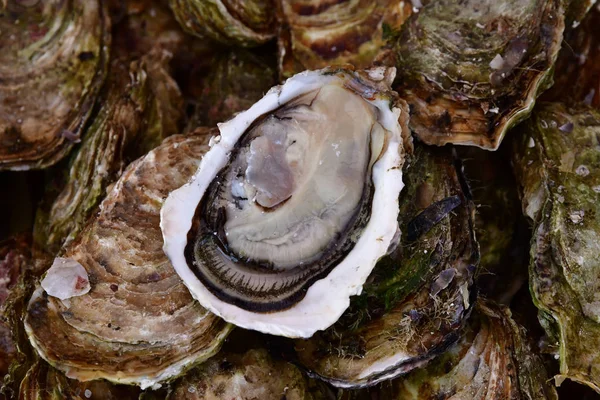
x,y
299,199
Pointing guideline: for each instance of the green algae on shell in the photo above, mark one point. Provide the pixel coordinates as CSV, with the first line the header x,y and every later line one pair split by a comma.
x,y
470,70
557,159
491,360
244,23
417,298
138,324
53,62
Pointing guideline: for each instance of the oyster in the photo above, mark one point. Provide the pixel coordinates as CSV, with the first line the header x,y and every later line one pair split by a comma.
x,y
43,382
492,360
472,69
52,64
137,324
556,158
416,300
253,374
317,34
245,23
139,109
294,203
577,76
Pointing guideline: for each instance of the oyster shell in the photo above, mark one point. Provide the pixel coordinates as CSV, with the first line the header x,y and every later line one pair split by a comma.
x,y
416,300
317,34
138,324
245,23
556,160
43,382
139,109
492,360
470,70
53,61
253,374
294,203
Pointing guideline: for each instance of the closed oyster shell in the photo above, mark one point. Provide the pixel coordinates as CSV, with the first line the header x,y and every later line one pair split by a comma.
x,y
245,23
556,159
417,299
470,70
138,324
492,360
317,34
53,61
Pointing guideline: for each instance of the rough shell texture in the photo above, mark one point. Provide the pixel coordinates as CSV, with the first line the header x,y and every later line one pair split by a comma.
x,y
492,360
317,34
557,159
54,56
43,382
140,106
244,23
138,324
416,300
253,374
471,70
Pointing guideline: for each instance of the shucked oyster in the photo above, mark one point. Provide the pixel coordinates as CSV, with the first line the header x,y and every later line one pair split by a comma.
x,y
294,204
557,164
52,64
417,298
125,315
472,69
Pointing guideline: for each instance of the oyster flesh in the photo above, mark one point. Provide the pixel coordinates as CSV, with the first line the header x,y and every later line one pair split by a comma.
x,y
137,324
294,204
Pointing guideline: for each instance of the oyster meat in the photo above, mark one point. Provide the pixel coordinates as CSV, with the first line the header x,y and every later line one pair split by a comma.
x,y
138,323
470,70
557,159
52,64
294,203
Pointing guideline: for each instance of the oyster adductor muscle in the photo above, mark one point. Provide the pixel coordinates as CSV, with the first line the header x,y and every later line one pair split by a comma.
x,y
294,204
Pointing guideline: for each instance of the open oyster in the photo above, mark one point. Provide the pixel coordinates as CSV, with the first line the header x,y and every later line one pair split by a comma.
x,y
472,69
52,64
125,315
245,23
416,300
557,159
294,204
317,34
492,360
